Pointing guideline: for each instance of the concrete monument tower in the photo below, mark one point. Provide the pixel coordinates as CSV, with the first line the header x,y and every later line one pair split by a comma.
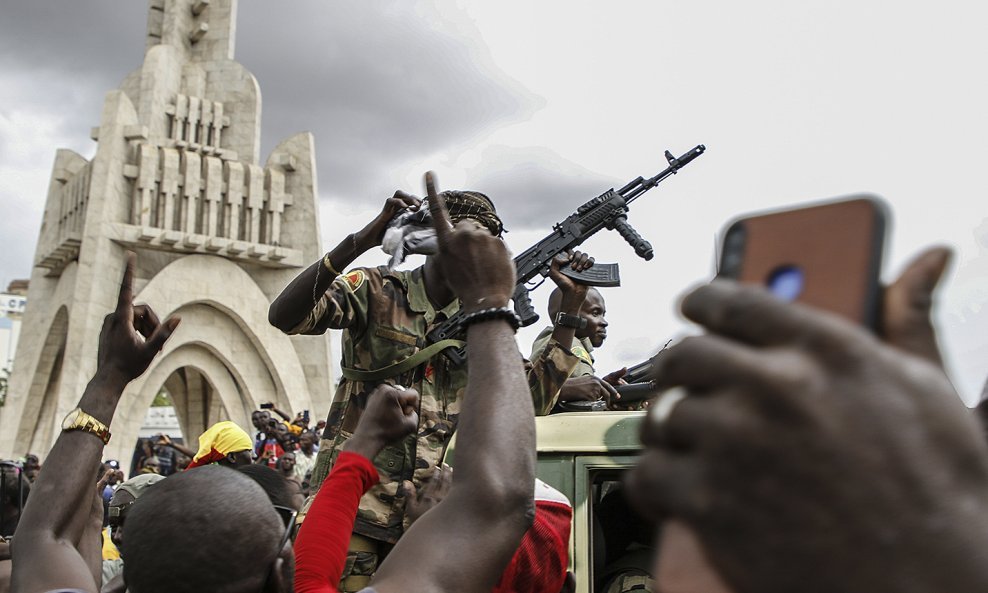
x,y
176,177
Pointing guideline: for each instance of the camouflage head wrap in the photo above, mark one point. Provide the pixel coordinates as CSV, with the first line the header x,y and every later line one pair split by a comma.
x,y
412,231
475,206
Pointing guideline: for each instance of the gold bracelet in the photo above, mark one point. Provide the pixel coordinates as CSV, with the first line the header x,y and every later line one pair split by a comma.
x,y
329,265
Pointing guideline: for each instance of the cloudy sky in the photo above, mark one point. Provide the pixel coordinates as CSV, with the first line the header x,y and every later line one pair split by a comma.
x,y
545,104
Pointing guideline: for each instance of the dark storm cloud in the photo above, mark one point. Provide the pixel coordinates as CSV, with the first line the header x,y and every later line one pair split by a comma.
x,y
66,55
378,84
534,187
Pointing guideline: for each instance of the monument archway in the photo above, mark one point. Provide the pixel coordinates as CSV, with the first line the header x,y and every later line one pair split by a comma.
x,y
176,177
47,378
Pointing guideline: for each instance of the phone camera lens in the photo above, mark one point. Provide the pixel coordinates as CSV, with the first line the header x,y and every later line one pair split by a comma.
x,y
786,282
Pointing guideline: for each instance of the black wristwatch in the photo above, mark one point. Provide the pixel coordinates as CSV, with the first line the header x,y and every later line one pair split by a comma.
x,y
567,320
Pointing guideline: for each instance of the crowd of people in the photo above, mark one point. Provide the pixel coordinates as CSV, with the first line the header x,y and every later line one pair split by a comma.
x,y
786,449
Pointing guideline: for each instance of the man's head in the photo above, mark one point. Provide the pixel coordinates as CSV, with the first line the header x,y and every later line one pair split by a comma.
x,y
224,443
259,418
593,310
287,462
180,537
116,476
123,498
281,433
152,465
306,441
279,429
275,485
472,206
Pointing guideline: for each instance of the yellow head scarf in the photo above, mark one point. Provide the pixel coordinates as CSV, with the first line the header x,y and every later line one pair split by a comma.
x,y
219,440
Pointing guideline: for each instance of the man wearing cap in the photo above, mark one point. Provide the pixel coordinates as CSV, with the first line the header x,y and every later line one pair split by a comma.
x,y
123,498
386,315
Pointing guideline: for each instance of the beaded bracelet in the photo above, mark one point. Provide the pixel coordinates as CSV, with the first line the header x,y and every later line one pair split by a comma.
x,y
506,313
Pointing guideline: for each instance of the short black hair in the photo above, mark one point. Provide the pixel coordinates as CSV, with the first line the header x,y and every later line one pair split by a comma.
x,y
207,529
275,485
556,300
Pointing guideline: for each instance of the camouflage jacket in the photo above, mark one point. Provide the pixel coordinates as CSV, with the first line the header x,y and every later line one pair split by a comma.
x,y
385,316
580,348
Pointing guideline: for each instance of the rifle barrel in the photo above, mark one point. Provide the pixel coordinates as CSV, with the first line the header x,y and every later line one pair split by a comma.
x,y
673,167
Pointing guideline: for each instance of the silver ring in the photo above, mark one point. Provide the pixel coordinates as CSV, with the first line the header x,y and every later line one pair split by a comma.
x,y
666,403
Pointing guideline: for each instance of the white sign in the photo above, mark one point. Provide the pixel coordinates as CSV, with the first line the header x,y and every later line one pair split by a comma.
x,y
11,303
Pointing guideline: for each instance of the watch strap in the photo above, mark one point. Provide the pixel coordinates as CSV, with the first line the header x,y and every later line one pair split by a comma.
x,y
87,423
567,320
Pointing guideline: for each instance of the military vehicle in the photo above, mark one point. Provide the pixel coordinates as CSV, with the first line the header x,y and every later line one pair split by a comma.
x,y
585,456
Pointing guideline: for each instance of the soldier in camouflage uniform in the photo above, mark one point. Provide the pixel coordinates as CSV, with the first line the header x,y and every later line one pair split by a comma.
x,y
385,316
590,331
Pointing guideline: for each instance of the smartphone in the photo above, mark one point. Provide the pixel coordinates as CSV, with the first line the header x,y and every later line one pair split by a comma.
x,y
267,406
827,255
305,416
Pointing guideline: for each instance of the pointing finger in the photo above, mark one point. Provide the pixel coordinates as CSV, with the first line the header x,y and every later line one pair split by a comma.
x,y
437,207
127,288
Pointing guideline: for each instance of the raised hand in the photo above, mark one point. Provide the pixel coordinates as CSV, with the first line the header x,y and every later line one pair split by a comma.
x,y
906,320
579,262
433,491
131,336
476,264
372,234
391,415
810,456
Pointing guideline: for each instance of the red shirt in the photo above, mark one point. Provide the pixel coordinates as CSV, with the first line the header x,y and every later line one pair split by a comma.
x,y
323,539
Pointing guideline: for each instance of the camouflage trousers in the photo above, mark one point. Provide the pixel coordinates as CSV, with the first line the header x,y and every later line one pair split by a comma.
x,y
363,557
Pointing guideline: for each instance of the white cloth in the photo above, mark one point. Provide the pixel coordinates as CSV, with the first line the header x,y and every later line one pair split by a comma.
x,y
303,464
408,233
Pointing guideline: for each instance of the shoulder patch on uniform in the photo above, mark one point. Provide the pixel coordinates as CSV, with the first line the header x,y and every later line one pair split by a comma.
x,y
581,352
355,278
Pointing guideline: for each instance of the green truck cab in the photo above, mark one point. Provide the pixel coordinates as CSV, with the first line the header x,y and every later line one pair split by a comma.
x,y
584,455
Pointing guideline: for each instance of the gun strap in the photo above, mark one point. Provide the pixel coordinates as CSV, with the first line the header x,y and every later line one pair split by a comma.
x,y
402,366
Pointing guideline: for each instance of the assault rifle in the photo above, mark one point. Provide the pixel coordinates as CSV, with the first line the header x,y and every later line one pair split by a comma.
x,y
609,211
640,386
641,371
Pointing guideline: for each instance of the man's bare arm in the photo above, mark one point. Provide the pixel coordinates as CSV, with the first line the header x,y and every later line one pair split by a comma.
x,y
45,552
490,500
164,439
297,300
